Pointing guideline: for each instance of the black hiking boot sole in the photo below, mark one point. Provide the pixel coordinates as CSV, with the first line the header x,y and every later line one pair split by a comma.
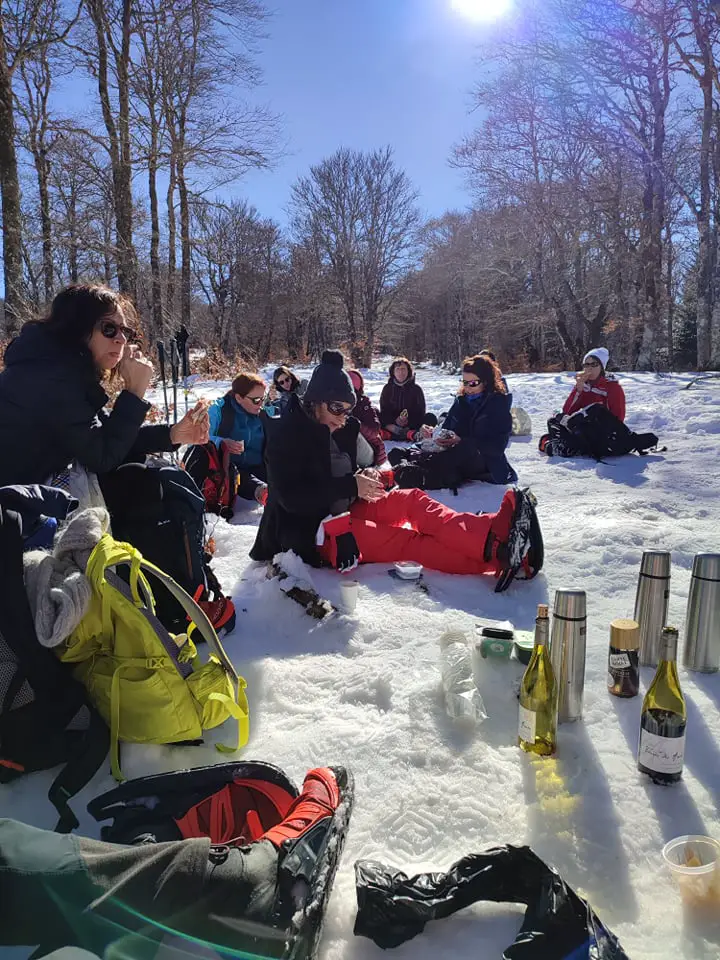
x,y
525,549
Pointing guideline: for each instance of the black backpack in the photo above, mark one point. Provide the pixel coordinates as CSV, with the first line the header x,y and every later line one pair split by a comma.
x,y
45,717
427,471
160,511
214,474
593,432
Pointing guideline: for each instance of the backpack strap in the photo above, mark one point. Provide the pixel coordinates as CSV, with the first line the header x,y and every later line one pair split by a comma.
x,y
238,707
227,417
91,750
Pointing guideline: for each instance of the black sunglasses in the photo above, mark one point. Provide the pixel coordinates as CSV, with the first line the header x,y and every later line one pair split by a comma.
x,y
284,379
110,329
471,383
591,363
256,400
338,409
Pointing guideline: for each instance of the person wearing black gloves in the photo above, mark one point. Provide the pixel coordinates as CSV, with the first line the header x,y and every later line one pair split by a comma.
x,y
323,508
52,398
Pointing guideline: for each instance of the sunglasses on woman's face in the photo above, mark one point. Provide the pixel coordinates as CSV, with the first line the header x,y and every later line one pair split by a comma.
x,y
591,363
110,329
284,380
471,383
339,409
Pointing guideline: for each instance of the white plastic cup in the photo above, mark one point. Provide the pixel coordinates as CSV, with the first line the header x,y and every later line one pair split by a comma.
x,y
349,594
699,885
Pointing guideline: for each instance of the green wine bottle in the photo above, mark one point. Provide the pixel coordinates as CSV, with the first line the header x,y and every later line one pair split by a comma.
x,y
661,751
537,726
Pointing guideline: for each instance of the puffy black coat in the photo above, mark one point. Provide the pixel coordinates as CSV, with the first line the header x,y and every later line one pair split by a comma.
x,y
51,413
301,487
485,423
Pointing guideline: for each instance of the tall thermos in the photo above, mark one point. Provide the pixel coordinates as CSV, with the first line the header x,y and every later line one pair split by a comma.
x,y
567,651
651,603
702,623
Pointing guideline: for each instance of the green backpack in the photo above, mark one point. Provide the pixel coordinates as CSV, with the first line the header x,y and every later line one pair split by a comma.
x,y
150,685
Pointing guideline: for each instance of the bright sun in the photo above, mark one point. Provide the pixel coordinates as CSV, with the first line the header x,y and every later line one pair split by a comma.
x,y
481,9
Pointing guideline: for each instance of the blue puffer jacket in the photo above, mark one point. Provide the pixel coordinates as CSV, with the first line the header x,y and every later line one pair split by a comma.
x,y
246,427
487,424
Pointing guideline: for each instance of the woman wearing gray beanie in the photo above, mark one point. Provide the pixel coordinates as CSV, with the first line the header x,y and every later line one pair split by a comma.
x,y
328,512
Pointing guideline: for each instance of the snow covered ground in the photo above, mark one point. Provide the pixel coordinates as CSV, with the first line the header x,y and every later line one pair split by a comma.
x,y
363,690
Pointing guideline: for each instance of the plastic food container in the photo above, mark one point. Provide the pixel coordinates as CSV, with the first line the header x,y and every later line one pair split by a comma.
x,y
693,862
408,570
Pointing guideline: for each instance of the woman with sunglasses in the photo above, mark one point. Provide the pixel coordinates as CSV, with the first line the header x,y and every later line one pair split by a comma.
x,y
594,385
235,422
284,385
477,429
52,400
328,512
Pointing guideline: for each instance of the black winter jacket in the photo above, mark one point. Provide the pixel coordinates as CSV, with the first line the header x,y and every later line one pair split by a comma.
x,y
51,413
301,487
486,423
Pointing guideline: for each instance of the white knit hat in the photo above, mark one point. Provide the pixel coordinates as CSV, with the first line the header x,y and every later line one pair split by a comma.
x,y
600,353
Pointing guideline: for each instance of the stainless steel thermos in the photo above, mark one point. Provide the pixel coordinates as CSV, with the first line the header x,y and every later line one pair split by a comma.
x,y
651,603
702,623
567,651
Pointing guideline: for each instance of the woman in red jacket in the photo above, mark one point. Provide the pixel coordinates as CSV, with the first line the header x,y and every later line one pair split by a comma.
x,y
594,385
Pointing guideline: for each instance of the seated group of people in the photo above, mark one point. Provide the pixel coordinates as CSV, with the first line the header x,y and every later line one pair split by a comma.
x,y
308,458
309,451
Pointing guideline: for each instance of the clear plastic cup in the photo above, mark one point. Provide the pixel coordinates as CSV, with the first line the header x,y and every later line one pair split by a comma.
x,y
693,862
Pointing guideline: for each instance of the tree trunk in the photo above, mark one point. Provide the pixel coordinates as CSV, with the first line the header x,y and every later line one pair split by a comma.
x,y
157,310
184,245
10,196
118,136
172,242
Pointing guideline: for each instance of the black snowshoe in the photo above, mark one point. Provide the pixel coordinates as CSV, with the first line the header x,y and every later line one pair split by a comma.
x,y
525,550
242,800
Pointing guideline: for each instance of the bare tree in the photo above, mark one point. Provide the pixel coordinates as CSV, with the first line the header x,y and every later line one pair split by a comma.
x,y
359,211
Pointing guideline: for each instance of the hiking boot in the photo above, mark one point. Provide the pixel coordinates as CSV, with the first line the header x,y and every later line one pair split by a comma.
x,y
515,541
318,800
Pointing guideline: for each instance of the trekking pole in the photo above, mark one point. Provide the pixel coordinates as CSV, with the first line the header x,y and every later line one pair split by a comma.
x,y
175,368
161,360
181,338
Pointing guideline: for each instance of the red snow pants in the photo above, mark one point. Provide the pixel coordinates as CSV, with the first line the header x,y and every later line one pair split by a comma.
x,y
439,538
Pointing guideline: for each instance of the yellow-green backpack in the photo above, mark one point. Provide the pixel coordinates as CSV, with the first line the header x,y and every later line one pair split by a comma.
x,y
148,684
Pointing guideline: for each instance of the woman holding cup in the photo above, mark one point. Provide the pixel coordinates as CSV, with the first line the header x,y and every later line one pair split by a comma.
x,y
593,384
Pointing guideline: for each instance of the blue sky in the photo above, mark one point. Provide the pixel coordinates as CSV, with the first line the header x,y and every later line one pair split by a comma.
x,y
363,74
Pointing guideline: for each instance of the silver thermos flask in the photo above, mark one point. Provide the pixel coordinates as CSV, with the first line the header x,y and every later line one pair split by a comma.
x,y
702,623
651,603
567,651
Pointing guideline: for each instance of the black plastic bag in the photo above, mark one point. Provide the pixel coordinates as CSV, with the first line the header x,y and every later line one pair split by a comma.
x,y
558,924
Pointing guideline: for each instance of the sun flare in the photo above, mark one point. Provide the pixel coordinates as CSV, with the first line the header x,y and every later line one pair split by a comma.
x,y
481,10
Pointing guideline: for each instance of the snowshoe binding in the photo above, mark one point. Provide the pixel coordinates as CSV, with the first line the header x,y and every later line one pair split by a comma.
x,y
237,804
524,550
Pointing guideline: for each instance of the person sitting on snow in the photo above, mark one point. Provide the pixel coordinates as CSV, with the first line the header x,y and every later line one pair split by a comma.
x,y
327,512
235,422
477,429
594,385
366,413
284,385
402,402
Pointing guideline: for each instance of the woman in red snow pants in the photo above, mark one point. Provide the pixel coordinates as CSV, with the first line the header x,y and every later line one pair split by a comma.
x,y
325,510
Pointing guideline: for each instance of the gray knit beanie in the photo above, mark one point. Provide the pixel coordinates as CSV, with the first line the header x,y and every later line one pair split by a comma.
x,y
330,381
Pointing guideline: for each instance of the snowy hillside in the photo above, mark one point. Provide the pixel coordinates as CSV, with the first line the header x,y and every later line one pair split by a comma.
x,y
364,690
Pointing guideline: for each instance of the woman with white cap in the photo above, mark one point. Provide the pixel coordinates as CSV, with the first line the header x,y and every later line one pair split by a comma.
x,y
594,385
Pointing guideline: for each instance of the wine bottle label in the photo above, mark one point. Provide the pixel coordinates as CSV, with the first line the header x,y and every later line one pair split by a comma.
x,y
619,660
661,754
526,724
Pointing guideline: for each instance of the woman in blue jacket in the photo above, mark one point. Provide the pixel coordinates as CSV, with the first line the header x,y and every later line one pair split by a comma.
x,y
235,421
479,424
